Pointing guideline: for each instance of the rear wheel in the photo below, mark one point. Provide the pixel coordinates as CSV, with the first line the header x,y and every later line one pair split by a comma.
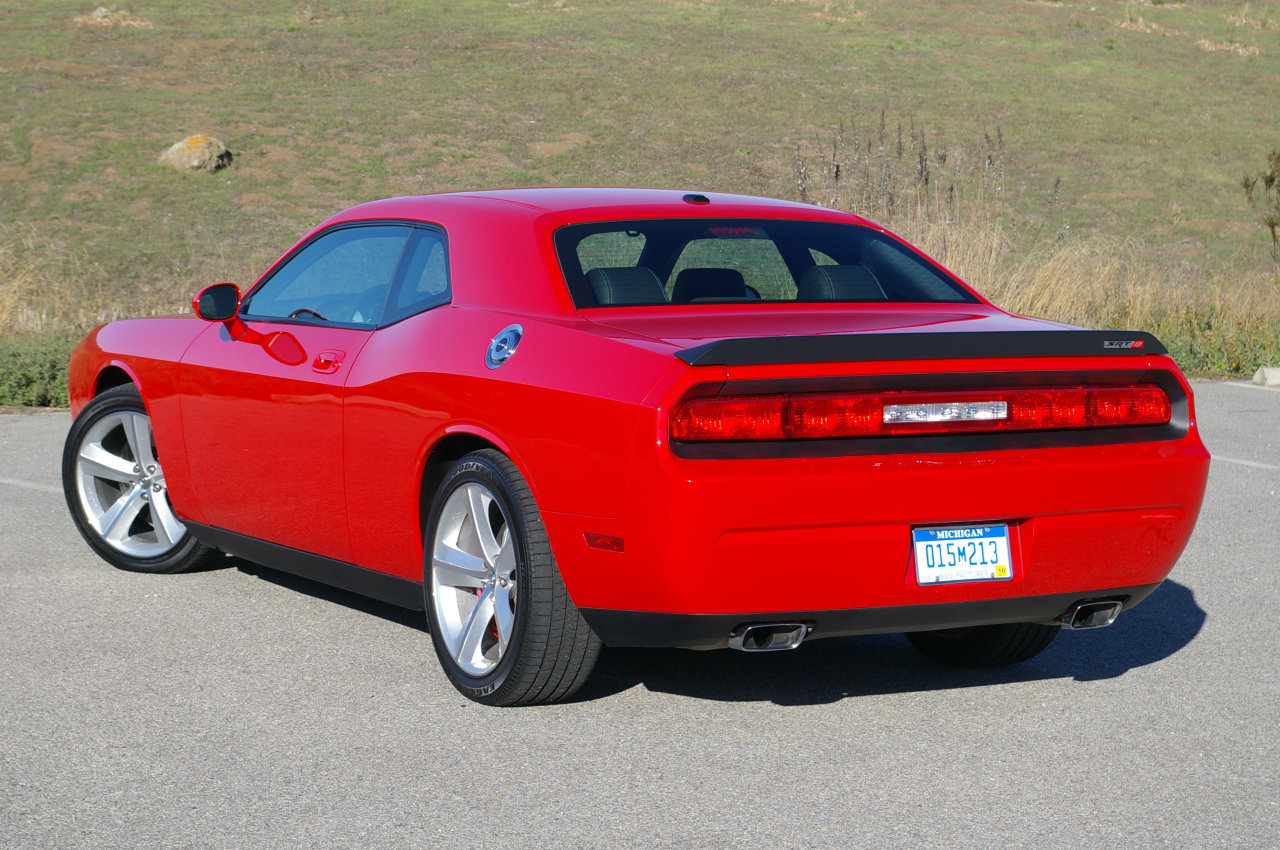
x,y
115,488
502,623
984,646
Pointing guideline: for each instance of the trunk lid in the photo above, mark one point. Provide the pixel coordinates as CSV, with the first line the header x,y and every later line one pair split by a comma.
x,y
693,326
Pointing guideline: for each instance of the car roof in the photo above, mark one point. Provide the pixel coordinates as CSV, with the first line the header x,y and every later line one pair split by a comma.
x,y
576,204
499,238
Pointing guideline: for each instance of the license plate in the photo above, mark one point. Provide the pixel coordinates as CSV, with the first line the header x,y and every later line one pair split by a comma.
x,y
962,553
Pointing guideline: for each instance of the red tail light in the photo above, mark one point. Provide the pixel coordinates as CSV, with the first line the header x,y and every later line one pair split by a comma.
x,y
811,417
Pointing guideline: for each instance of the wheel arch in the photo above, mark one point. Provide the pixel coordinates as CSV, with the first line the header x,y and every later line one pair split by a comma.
x,y
440,459
113,376
84,385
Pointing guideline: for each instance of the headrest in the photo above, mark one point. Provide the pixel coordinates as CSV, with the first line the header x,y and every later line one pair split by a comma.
x,y
626,285
692,284
839,283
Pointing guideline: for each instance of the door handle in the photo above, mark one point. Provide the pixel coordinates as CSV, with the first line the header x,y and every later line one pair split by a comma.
x,y
328,361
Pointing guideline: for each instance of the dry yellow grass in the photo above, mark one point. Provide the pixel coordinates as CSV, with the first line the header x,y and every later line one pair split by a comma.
x,y
1214,321
51,285
1221,318
43,285
1218,321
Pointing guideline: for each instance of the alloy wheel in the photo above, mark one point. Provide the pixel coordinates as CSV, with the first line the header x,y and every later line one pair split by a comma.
x,y
121,487
473,576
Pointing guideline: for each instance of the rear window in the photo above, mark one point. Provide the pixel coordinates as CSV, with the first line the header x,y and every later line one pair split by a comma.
x,y
701,261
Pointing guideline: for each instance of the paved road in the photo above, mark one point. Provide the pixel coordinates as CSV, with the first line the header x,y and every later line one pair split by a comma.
x,y
242,708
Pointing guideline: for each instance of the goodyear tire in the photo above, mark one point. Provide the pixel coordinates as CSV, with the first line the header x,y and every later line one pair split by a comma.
x,y
502,623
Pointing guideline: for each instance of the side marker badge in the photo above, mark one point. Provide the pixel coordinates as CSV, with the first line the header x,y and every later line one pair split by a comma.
x,y
502,346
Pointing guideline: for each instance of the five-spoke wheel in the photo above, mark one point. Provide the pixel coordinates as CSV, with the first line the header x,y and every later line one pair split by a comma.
x,y
115,487
474,578
502,623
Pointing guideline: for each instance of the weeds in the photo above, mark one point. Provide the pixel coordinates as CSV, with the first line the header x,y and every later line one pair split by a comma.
x,y
1249,18
45,285
1222,322
1263,193
951,203
889,174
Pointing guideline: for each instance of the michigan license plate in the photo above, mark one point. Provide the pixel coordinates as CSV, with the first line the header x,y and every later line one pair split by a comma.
x,y
962,553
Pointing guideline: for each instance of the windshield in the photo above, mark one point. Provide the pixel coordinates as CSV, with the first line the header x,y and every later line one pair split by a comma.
x,y
692,261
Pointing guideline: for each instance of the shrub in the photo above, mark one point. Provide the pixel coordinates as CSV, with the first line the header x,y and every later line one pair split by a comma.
x,y
33,368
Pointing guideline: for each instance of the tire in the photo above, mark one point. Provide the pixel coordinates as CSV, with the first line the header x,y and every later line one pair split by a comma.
x,y
502,623
115,489
984,646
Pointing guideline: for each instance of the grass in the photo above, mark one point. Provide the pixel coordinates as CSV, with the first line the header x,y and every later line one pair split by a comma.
x,y
1122,131
1218,318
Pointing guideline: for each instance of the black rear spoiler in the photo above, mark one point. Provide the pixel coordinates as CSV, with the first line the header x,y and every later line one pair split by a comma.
x,y
762,351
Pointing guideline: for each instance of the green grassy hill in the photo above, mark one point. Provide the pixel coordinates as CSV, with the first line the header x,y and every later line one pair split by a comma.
x,y
1114,129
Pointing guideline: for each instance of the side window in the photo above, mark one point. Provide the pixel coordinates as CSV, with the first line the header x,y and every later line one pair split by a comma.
x,y
341,277
424,278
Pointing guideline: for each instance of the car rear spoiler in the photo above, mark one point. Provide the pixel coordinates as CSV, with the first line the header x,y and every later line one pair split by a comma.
x,y
762,351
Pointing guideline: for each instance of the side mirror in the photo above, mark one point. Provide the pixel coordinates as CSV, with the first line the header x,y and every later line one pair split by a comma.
x,y
218,302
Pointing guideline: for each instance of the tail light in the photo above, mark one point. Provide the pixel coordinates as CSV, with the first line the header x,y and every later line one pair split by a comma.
x,y
826,416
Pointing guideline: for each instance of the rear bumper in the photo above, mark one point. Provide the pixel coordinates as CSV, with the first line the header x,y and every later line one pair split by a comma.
x,y
711,536
786,539
711,631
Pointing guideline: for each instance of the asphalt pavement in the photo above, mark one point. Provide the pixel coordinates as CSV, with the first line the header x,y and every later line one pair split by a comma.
x,y
239,707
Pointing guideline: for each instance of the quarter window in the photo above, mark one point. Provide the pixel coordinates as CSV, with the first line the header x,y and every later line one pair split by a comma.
x,y
424,276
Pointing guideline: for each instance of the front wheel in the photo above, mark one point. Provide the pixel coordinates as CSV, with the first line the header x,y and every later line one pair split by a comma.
x,y
502,623
115,488
984,646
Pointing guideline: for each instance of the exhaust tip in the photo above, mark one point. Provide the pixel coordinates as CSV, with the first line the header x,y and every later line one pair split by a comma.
x,y
768,637
1092,615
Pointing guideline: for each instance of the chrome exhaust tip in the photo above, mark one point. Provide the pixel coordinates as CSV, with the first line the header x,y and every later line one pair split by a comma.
x,y
1092,615
767,637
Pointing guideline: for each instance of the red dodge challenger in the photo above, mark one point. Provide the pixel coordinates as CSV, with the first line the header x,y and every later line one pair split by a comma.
x,y
556,419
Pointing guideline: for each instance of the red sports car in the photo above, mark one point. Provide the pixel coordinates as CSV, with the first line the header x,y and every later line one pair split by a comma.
x,y
557,419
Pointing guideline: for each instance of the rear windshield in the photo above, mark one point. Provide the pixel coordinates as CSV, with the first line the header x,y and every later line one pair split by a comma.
x,y
693,261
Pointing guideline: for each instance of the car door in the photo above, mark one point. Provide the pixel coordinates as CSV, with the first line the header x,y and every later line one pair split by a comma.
x,y
263,423
398,395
